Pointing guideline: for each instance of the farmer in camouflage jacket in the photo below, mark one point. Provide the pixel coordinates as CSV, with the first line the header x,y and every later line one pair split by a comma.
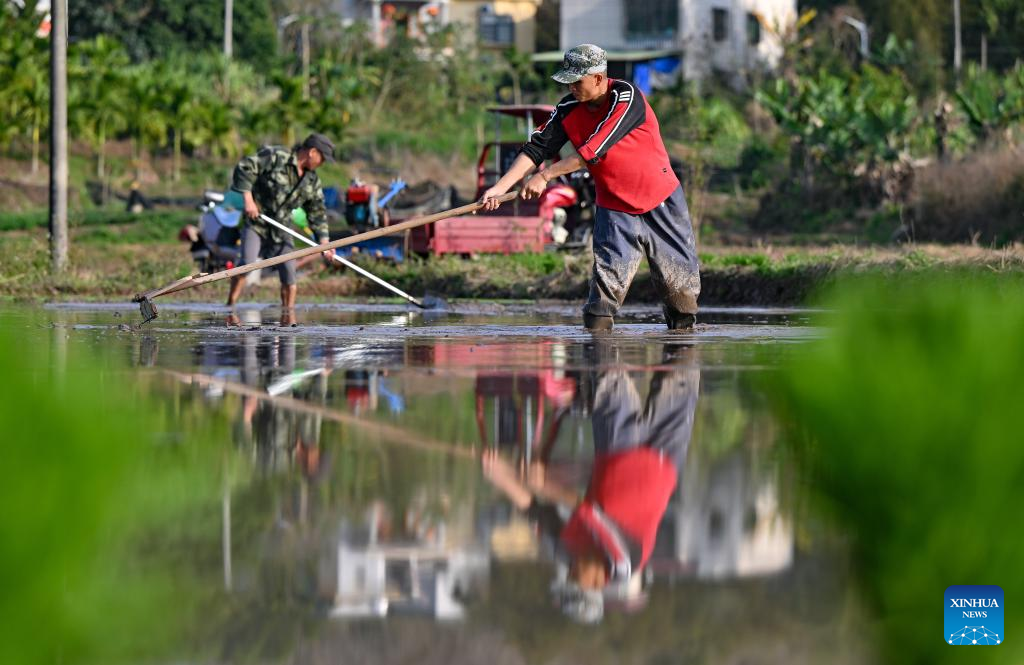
x,y
273,182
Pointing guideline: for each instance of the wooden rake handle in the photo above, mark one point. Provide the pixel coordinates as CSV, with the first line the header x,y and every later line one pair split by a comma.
x,y
205,278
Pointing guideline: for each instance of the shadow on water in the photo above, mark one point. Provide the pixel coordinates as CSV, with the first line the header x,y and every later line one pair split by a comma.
x,y
480,485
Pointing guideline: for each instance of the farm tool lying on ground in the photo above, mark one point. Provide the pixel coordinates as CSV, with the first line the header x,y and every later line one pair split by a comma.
x,y
351,266
148,307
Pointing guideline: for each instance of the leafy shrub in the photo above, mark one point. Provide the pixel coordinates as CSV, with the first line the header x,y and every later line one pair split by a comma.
x,y
759,160
710,124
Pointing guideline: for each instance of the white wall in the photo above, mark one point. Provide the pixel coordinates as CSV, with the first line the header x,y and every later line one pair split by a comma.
x,y
780,14
598,22
734,54
602,22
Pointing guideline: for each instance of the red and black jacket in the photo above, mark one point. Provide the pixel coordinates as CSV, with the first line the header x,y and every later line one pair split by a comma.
x,y
620,142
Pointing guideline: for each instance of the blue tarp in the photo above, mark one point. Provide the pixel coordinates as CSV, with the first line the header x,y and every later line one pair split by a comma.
x,y
391,248
646,74
331,198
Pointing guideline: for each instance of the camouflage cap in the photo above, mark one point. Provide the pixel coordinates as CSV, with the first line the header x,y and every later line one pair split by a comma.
x,y
580,61
321,143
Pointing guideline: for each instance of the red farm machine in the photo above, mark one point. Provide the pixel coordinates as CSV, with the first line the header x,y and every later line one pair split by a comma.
x,y
519,226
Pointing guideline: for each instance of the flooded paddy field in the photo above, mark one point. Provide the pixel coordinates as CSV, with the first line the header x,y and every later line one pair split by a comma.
x,y
353,519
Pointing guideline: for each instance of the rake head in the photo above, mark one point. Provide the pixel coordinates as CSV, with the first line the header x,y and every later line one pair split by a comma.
x,y
147,307
435,302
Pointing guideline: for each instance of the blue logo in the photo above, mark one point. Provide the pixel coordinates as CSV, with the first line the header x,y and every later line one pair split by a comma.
x,y
974,615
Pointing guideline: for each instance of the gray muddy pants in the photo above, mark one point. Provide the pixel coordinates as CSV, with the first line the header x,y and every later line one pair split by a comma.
x,y
665,236
255,247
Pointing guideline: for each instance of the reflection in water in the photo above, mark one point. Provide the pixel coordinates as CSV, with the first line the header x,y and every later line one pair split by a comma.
x,y
592,447
604,536
728,522
354,523
418,570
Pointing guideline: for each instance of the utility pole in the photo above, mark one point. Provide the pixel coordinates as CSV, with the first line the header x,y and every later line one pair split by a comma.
x,y
305,57
228,17
376,27
59,135
958,51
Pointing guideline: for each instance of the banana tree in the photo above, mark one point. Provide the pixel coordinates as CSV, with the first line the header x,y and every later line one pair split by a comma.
x,y
991,101
853,129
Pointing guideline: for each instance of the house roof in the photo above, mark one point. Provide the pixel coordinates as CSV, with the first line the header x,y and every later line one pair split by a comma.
x,y
617,56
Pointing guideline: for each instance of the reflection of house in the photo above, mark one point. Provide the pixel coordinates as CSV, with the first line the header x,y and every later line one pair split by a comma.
x,y
514,540
725,522
425,576
495,23
729,36
375,580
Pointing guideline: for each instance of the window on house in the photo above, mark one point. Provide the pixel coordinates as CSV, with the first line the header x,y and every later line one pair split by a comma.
x,y
753,29
496,29
652,18
720,24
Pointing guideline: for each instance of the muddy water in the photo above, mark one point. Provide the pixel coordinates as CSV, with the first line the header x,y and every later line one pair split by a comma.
x,y
359,524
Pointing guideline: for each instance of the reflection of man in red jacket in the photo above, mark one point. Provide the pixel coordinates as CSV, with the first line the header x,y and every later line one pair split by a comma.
x,y
639,453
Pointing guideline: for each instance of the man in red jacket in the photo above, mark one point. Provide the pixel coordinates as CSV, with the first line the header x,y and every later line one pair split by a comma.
x,y
641,209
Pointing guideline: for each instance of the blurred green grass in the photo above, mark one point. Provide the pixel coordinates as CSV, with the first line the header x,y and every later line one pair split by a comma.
x,y
89,487
907,420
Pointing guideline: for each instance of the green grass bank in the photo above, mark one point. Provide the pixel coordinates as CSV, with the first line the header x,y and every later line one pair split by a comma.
x,y
117,258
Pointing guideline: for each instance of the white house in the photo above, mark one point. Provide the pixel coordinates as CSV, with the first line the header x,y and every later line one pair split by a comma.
x,y
494,23
732,37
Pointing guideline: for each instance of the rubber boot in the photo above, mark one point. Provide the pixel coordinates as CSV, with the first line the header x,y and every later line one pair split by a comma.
x,y
594,322
680,320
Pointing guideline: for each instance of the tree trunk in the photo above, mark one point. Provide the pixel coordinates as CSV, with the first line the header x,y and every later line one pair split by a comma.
x,y
101,162
137,156
517,93
177,154
229,15
305,59
957,44
382,95
35,145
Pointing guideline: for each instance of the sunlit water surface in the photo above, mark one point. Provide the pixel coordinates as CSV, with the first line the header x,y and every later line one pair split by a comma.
x,y
357,525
